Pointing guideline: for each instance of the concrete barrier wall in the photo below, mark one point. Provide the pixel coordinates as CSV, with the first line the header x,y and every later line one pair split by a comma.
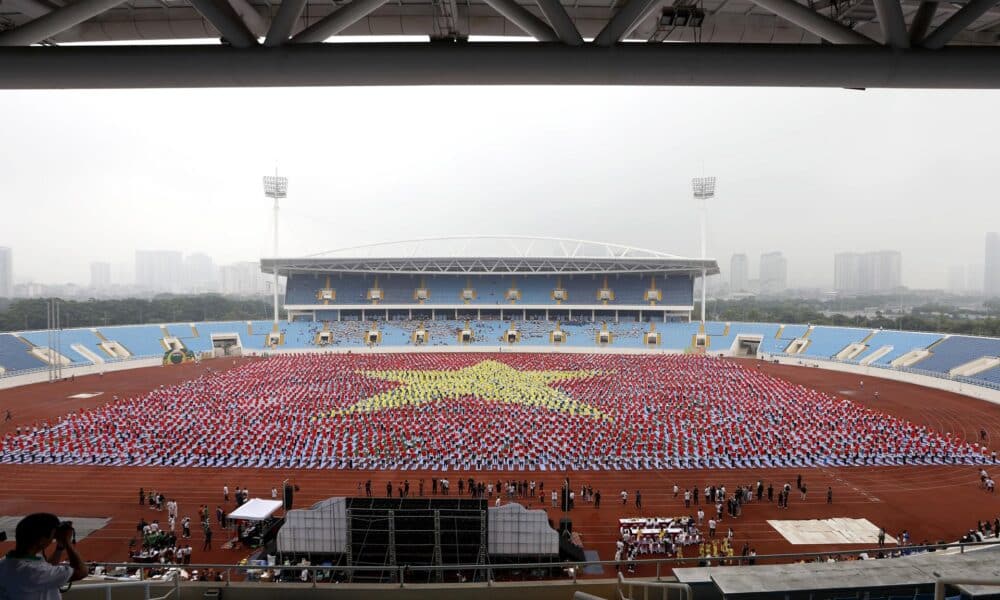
x,y
466,349
562,590
43,375
948,385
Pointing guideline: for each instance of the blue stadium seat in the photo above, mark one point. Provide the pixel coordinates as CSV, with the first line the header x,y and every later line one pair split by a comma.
x,y
826,342
491,290
14,355
901,342
69,337
957,350
139,340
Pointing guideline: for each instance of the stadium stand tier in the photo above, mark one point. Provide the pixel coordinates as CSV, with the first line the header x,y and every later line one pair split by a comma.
x,y
490,290
14,355
945,352
957,350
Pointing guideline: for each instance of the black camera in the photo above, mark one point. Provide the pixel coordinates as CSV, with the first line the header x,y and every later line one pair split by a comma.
x,y
67,526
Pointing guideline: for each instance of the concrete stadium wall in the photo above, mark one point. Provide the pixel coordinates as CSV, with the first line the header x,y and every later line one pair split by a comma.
x,y
466,349
940,383
563,590
43,375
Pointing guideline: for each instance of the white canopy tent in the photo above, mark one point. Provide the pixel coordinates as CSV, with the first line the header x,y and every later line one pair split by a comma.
x,y
256,509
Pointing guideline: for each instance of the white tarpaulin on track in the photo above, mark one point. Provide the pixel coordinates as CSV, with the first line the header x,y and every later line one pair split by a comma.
x,y
256,509
515,530
321,528
829,531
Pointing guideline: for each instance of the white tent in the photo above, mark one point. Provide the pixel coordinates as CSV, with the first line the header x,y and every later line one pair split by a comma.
x,y
256,509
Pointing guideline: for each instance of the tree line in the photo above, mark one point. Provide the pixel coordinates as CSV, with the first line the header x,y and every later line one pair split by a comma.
x,y
28,314
935,317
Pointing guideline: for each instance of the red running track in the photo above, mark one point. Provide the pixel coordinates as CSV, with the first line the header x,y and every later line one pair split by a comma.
x,y
932,502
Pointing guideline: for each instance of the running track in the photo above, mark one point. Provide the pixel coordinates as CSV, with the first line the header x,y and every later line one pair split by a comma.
x,y
933,503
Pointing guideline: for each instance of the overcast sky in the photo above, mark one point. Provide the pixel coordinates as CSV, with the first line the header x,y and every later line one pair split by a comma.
x,y
94,175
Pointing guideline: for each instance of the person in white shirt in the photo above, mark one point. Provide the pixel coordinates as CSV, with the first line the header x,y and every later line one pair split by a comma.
x,y
26,573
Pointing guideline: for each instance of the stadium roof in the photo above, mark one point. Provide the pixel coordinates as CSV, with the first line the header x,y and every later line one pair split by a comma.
x,y
840,43
498,254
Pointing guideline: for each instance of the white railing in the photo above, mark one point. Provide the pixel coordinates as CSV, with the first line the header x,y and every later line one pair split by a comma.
x,y
486,575
38,375
110,586
819,360
663,587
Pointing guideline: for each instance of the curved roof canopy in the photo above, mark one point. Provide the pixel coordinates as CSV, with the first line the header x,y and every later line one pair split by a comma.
x,y
492,254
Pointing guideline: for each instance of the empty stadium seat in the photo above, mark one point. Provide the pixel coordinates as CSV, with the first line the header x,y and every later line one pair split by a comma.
x,y
957,350
14,355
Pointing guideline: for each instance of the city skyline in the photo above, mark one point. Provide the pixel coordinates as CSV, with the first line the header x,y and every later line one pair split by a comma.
x,y
167,271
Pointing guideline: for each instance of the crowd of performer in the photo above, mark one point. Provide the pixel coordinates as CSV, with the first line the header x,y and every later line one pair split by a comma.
x,y
416,410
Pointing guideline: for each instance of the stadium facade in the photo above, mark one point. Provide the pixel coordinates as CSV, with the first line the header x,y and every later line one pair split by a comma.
x,y
536,279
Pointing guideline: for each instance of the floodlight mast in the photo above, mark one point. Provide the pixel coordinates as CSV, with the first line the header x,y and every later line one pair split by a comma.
x,y
703,189
276,187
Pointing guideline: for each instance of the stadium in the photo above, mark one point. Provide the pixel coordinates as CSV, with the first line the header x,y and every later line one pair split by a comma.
x,y
534,415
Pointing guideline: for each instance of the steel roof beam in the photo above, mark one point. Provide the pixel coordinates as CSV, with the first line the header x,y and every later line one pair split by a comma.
x,y
524,19
922,21
557,17
628,17
813,22
892,23
55,22
957,23
253,20
223,17
511,63
339,20
29,8
284,22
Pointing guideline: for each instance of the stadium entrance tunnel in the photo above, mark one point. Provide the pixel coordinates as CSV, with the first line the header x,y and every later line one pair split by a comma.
x,y
747,346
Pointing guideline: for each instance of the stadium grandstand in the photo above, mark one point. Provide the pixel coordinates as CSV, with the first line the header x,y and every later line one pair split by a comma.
x,y
490,293
414,388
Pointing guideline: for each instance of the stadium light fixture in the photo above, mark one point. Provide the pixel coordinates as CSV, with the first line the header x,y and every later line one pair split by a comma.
x,y
703,188
275,187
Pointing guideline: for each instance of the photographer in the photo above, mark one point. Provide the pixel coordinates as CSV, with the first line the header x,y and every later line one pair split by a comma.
x,y
25,572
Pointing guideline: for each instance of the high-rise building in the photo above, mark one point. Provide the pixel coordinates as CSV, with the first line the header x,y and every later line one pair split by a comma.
x,y
957,279
159,270
846,272
739,273
870,272
244,279
974,278
991,268
6,272
200,274
773,273
881,271
100,275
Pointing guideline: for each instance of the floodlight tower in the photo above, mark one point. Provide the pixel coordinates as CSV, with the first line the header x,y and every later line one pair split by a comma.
x,y
703,188
276,187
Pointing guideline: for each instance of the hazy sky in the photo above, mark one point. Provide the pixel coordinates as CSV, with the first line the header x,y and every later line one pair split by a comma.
x,y
94,175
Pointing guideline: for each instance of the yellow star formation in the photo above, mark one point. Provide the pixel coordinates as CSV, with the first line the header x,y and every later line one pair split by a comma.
x,y
487,380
